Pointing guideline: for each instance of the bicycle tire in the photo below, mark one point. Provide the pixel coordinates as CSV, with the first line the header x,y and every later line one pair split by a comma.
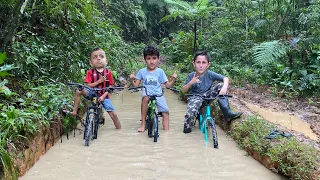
x,y
89,130
96,127
155,128
205,129
149,126
200,122
96,122
214,134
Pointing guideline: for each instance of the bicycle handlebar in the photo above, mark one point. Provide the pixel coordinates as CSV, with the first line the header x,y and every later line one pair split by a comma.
x,y
211,98
143,87
94,89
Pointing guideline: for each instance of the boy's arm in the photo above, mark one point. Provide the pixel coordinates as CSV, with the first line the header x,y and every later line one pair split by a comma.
x,y
88,80
187,86
135,82
225,86
92,85
173,80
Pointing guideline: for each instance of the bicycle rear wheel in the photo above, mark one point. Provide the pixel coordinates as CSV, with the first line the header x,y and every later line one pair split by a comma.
x,y
155,128
214,133
89,130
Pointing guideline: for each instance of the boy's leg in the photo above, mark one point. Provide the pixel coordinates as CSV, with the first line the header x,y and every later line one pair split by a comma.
x,y
194,104
214,90
107,104
144,111
77,99
163,108
223,102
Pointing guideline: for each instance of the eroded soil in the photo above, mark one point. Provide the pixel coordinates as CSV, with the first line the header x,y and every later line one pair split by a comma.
x,y
296,107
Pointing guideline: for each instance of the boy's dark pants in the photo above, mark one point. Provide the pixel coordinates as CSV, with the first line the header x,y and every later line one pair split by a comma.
x,y
195,102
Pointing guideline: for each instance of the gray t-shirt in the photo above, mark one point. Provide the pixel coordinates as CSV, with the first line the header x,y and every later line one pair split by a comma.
x,y
152,80
206,81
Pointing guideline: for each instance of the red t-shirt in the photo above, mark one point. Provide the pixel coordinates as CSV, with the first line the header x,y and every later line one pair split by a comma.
x,y
93,75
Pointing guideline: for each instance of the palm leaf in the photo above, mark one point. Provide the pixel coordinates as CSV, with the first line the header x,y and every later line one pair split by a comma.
x,y
269,52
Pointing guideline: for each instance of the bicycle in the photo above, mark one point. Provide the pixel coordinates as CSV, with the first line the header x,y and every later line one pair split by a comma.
x,y
152,119
205,119
94,115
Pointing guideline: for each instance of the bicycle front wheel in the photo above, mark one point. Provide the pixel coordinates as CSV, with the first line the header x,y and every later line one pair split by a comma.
x,y
88,130
98,118
149,125
155,128
214,133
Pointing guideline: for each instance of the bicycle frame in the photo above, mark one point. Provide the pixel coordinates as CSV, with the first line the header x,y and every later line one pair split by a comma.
x,y
206,120
152,124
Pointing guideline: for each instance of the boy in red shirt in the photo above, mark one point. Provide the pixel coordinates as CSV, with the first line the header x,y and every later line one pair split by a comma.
x,y
98,77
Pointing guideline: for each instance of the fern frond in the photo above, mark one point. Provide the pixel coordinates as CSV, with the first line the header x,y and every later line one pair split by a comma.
x,y
269,52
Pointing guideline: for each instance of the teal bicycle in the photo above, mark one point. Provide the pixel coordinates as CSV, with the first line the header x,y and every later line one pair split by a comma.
x,y
152,119
205,119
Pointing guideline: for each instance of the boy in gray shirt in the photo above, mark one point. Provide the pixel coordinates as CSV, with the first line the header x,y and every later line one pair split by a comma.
x,y
200,82
152,77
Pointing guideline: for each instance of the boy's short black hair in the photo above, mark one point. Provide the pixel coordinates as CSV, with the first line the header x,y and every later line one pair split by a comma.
x,y
149,51
201,53
95,49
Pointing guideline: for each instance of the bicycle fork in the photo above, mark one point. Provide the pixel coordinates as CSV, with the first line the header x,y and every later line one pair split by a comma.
x,y
203,123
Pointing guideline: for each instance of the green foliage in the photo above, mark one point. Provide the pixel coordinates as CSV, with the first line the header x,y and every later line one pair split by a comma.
x,y
4,90
128,15
179,49
269,52
21,118
7,170
62,34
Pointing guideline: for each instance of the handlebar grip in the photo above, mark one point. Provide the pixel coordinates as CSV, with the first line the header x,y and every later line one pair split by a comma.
x,y
226,95
174,90
136,88
74,84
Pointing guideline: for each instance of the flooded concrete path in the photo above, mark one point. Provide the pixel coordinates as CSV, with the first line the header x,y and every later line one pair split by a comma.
x,y
127,154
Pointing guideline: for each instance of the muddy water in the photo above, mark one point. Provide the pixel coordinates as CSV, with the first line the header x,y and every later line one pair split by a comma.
x,y
127,154
284,119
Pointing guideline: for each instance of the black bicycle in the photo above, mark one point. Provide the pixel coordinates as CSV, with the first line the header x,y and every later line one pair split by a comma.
x,y
152,119
205,118
94,115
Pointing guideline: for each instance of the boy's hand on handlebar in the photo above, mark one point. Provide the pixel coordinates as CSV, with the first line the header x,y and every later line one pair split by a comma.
x,y
223,91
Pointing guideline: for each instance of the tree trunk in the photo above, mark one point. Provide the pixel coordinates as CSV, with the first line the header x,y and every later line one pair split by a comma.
x,y
195,37
14,24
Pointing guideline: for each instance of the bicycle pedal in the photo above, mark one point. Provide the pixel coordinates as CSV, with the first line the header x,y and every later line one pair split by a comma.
x,y
150,136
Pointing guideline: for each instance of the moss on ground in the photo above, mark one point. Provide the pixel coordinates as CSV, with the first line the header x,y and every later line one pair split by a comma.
x,y
289,157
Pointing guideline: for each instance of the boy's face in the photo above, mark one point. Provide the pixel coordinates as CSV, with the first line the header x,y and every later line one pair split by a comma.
x,y
201,64
98,59
152,61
